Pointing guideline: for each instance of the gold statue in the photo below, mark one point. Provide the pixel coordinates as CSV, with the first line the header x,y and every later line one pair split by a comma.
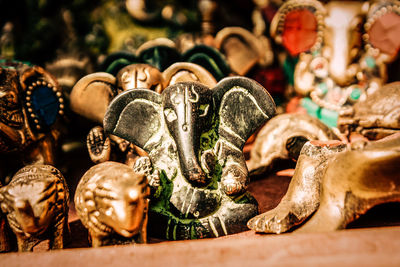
x,y
111,201
337,183
36,205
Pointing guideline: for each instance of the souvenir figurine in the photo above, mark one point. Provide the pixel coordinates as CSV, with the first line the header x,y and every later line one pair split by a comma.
x,y
36,205
112,202
282,138
31,106
336,183
340,59
194,137
93,93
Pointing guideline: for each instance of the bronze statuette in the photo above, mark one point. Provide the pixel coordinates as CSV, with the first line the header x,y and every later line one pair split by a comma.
x,y
194,137
36,205
112,202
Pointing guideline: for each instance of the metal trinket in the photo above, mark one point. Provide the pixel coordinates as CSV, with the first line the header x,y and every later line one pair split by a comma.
x,y
35,203
194,137
112,202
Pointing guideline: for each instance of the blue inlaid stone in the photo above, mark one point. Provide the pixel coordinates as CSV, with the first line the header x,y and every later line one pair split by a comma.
x,y
45,104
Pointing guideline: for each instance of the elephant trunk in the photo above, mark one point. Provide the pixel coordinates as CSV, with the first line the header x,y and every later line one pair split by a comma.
x,y
340,56
191,168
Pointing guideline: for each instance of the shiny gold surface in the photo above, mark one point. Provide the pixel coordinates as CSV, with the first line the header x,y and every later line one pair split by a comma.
x,y
340,186
36,205
111,201
273,141
303,195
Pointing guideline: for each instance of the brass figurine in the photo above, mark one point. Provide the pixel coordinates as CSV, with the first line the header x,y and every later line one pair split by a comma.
x,y
341,60
112,202
303,195
282,138
31,105
337,183
36,205
194,137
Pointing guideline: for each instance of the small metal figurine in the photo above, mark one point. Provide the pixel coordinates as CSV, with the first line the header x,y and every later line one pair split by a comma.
x,y
282,138
112,202
194,137
341,59
31,104
336,183
36,205
93,93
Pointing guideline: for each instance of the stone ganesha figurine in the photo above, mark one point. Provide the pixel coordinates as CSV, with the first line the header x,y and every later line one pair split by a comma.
x,y
194,137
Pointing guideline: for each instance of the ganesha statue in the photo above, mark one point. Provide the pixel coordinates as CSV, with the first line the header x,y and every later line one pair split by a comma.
x,y
343,49
194,138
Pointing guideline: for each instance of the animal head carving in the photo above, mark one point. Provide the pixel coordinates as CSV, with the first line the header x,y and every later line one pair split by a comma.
x,y
36,197
194,116
111,197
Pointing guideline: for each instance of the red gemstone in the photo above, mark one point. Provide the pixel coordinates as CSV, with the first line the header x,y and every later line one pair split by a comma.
x,y
385,34
299,32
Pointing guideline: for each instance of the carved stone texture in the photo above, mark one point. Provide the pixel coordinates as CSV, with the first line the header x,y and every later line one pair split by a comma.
x,y
282,138
375,117
338,186
194,137
112,202
36,205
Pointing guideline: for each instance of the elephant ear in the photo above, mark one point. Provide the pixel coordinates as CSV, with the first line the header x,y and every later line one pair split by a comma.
x,y
298,24
92,94
241,48
244,105
185,72
135,115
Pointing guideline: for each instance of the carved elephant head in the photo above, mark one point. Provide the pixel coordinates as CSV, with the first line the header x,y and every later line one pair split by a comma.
x,y
31,103
94,92
195,117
